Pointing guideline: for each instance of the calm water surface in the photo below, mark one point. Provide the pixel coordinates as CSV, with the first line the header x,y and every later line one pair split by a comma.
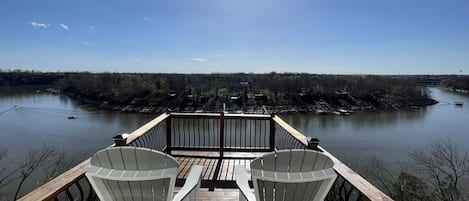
x,y
388,135
42,119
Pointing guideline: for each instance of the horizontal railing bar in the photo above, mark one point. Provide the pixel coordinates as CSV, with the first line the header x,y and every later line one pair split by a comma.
x,y
248,116
213,157
57,185
217,116
227,149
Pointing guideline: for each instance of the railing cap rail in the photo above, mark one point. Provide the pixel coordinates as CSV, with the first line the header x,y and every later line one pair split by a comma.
x,y
217,115
141,131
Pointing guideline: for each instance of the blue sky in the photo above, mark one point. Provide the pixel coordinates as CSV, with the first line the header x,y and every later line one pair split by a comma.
x,y
329,36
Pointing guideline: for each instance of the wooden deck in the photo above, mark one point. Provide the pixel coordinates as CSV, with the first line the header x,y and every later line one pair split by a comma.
x,y
217,172
219,194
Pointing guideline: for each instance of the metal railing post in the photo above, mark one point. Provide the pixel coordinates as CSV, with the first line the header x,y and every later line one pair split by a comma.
x,y
272,132
168,134
222,133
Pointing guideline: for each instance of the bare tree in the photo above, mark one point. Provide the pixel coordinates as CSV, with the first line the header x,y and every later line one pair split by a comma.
x,y
403,186
434,172
58,164
379,172
444,165
34,160
52,159
7,174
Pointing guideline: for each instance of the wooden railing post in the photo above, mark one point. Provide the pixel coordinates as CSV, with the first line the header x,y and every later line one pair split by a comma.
x,y
121,139
313,143
272,132
168,134
222,133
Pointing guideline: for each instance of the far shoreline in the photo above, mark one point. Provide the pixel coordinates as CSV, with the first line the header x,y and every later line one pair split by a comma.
x,y
322,109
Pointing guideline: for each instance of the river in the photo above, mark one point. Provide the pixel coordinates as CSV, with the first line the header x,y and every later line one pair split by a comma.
x,y
388,135
42,118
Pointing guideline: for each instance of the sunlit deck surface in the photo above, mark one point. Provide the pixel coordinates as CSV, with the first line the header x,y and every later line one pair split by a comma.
x,y
218,142
217,171
222,194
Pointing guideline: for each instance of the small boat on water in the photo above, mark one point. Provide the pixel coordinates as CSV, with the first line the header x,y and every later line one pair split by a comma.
x,y
321,112
458,103
72,117
336,113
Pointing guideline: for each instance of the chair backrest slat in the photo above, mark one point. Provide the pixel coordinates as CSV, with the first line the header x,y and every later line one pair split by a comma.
x,y
280,191
290,191
309,160
297,161
260,185
115,156
269,189
282,162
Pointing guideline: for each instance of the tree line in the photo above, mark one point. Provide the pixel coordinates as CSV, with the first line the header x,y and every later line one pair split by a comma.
x,y
235,89
456,83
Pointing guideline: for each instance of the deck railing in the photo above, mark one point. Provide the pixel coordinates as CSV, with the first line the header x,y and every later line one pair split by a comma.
x,y
211,132
220,132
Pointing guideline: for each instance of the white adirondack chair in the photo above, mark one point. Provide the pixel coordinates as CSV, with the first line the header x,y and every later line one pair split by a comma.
x,y
134,173
287,175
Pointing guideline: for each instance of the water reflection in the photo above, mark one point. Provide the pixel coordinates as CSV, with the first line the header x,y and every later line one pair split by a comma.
x,y
357,121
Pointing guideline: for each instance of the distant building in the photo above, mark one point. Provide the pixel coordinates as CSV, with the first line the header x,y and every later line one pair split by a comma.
x,y
244,84
260,97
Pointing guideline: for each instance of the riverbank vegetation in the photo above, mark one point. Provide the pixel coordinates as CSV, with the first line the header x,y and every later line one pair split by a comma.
x,y
276,92
456,83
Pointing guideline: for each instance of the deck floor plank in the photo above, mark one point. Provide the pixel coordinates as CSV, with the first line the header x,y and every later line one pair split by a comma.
x,y
209,161
222,194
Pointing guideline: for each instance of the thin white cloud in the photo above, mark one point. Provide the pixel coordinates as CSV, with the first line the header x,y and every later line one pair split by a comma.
x,y
156,54
90,28
137,60
200,60
220,55
64,26
146,18
86,43
39,25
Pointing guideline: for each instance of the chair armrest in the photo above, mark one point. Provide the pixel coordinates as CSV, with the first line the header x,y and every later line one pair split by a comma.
x,y
192,183
243,184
